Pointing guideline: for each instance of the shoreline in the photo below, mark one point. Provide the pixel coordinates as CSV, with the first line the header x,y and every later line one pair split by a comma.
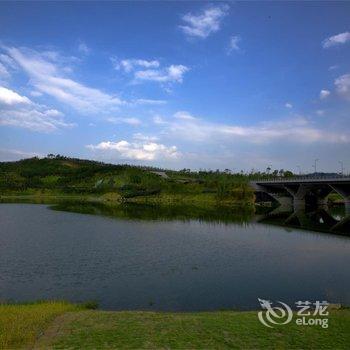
x,y
77,326
114,199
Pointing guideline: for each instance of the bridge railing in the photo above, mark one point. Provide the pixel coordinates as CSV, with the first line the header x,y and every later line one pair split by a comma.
x,y
303,178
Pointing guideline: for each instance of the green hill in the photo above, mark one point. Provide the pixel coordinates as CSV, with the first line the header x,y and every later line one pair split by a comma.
x,y
61,175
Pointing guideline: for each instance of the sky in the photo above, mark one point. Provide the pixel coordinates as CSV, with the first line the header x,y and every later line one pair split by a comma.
x,y
200,85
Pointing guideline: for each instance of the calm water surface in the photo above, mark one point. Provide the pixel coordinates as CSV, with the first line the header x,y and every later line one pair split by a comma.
x,y
159,262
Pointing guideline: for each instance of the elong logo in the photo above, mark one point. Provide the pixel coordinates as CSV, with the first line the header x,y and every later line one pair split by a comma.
x,y
274,315
283,314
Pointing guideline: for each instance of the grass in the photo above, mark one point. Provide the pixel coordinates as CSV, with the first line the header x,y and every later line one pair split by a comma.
x,y
204,330
335,198
60,325
21,324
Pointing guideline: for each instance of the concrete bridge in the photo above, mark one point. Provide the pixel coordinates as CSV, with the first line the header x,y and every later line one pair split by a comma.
x,y
316,220
299,191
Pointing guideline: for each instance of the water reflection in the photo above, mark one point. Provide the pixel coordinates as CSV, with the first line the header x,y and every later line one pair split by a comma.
x,y
331,220
335,219
239,215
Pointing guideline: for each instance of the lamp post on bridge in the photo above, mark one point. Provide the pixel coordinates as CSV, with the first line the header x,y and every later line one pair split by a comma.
x,y
315,165
341,167
268,169
298,166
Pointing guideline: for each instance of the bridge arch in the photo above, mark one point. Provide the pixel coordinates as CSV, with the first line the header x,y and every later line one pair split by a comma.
x,y
304,190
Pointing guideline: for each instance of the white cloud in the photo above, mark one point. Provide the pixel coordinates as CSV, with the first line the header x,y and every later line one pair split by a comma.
x,y
157,119
295,130
183,115
336,40
141,137
8,61
233,44
320,112
10,97
208,21
83,48
335,66
20,111
126,120
144,151
324,94
129,65
7,155
35,93
145,101
171,74
145,70
50,78
33,119
4,73
342,85
288,105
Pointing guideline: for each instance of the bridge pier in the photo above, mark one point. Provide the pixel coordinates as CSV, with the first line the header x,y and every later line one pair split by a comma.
x,y
284,201
298,192
343,190
298,204
347,208
322,194
322,202
306,190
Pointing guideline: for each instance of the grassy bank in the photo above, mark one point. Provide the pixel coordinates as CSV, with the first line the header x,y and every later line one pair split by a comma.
x,y
20,325
201,200
63,326
61,176
195,199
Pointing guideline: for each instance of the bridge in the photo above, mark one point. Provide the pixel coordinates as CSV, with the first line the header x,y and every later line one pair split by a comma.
x,y
298,191
318,219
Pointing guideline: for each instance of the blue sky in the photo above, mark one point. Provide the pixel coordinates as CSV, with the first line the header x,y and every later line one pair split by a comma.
x,y
177,84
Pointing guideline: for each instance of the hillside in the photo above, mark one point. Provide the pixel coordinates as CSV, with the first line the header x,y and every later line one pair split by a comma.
x,y
61,175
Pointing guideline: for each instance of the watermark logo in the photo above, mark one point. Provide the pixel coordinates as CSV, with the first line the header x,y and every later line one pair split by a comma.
x,y
274,315
308,314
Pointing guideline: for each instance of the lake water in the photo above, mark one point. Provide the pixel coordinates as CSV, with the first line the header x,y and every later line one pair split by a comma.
x,y
147,258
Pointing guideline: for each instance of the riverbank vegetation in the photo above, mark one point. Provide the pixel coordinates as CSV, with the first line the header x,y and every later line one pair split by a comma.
x,y
60,325
58,176
20,325
61,176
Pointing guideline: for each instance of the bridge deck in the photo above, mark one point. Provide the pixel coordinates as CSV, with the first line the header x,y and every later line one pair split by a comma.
x,y
301,180
304,188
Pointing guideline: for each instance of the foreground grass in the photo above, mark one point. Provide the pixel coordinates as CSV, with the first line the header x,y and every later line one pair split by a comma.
x,y
205,330
60,325
20,325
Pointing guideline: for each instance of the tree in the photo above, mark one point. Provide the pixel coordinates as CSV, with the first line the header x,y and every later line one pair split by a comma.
x,y
288,173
